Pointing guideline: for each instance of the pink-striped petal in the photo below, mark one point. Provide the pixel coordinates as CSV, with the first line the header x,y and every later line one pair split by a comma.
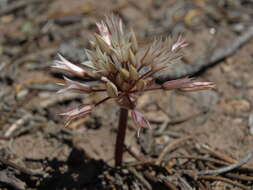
x,y
195,86
180,43
75,86
77,112
176,84
66,66
186,84
139,121
104,32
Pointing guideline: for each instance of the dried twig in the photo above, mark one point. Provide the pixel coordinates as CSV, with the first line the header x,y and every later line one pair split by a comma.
x,y
185,184
20,168
240,177
140,178
228,168
200,65
171,186
200,158
234,175
9,179
170,147
17,124
218,154
218,178
148,175
136,156
224,157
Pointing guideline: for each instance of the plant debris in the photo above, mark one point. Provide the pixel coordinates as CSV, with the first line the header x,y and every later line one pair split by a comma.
x,y
199,140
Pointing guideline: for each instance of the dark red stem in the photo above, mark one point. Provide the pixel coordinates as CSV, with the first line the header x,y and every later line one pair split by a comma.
x,y
119,147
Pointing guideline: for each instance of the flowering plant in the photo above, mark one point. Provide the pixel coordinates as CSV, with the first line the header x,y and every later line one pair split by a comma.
x,y
123,70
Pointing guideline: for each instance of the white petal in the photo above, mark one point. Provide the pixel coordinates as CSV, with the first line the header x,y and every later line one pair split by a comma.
x,y
88,64
69,65
78,110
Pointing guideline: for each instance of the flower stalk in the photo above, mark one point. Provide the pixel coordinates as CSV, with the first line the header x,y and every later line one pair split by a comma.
x,y
120,139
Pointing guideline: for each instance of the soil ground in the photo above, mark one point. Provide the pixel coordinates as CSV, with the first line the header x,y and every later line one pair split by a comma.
x,y
33,136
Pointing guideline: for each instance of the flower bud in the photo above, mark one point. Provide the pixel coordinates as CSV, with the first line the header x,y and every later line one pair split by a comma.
x,y
124,52
111,89
119,79
140,85
125,86
102,44
132,58
92,44
124,73
118,55
104,32
134,42
133,73
112,67
91,55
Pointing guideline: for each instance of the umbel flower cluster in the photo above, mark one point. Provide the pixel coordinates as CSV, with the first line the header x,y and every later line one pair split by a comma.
x,y
123,70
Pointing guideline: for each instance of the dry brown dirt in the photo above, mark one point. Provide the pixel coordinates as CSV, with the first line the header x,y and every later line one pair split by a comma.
x,y
82,157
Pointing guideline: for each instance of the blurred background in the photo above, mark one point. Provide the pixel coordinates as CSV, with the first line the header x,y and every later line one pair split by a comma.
x,y
32,135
